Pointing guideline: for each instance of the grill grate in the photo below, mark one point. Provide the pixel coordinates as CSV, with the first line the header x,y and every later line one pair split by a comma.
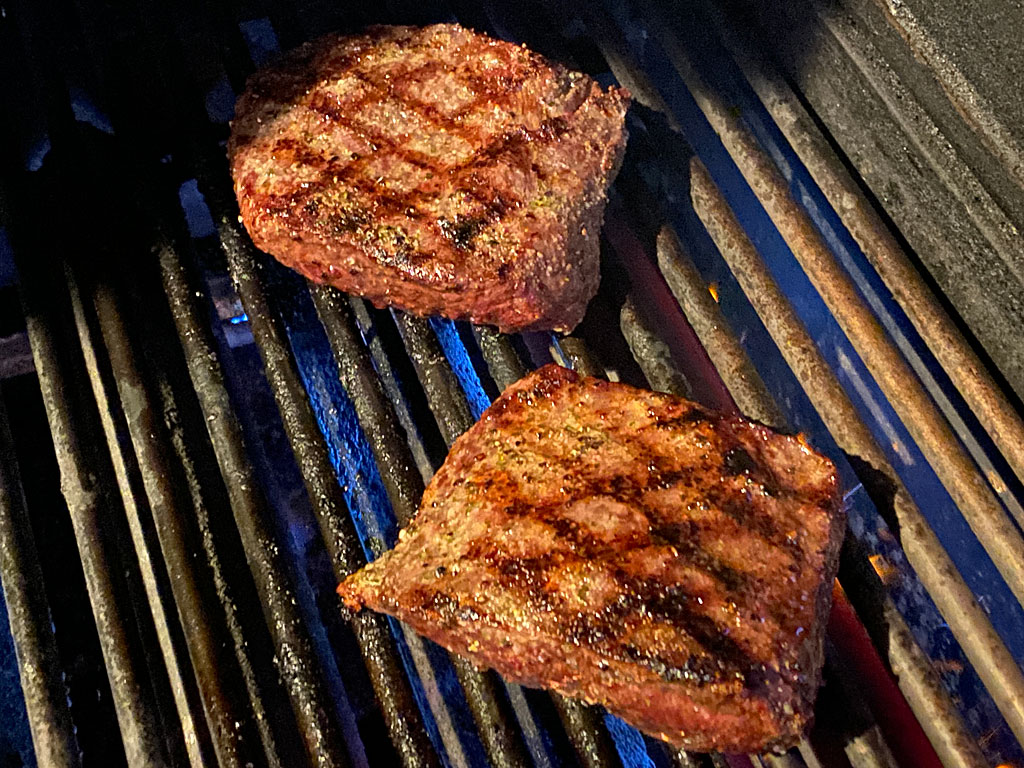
x,y
212,588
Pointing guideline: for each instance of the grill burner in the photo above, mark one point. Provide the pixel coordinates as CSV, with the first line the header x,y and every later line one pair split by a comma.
x,y
215,490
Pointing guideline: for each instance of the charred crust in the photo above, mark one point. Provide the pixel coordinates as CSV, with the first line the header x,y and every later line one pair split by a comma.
x,y
462,231
317,159
640,592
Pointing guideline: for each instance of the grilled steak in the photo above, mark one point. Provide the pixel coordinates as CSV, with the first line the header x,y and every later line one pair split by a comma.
x,y
631,549
433,169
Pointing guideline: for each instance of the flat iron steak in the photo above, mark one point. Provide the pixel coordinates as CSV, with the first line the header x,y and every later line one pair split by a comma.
x,y
630,549
432,169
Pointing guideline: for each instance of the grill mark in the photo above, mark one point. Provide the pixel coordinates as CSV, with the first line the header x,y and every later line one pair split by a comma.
x,y
702,670
498,145
376,140
665,603
523,572
745,513
737,461
448,610
738,505
580,542
684,420
500,94
495,205
374,201
462,231
722,657
428,112
449,123
683,537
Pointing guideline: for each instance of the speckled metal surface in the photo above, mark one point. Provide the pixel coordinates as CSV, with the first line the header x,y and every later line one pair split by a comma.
x,y
880,246
922,547
86,481
295,656
26,618
973,51
400,710
959,207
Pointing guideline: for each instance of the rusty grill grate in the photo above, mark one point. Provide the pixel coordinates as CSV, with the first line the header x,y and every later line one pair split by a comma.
x,y
215,490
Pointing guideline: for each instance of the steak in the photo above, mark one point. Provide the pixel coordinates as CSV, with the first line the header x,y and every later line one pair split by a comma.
x,y
631,549
432,169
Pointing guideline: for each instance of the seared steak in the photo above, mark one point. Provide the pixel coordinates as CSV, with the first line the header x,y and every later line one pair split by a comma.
x,y
631,549
433,169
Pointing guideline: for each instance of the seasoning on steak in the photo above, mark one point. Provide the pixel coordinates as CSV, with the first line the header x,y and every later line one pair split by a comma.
x,y
432,169
631,549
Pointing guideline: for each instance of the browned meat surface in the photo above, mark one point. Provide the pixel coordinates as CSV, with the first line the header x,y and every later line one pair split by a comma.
x,y
631,549
432,169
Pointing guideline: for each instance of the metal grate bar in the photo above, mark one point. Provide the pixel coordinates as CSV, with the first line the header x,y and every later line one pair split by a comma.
x,y
503,361
391,380
154,577
904,391
944,339
84,479
904,139
650,351
446,398
930,560
705,317
295,655
376,414
886,625
231,725
46,698
594,745
401,714
250,640
576,356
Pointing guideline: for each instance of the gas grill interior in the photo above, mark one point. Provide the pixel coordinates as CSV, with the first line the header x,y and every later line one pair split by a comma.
x,y
816,225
